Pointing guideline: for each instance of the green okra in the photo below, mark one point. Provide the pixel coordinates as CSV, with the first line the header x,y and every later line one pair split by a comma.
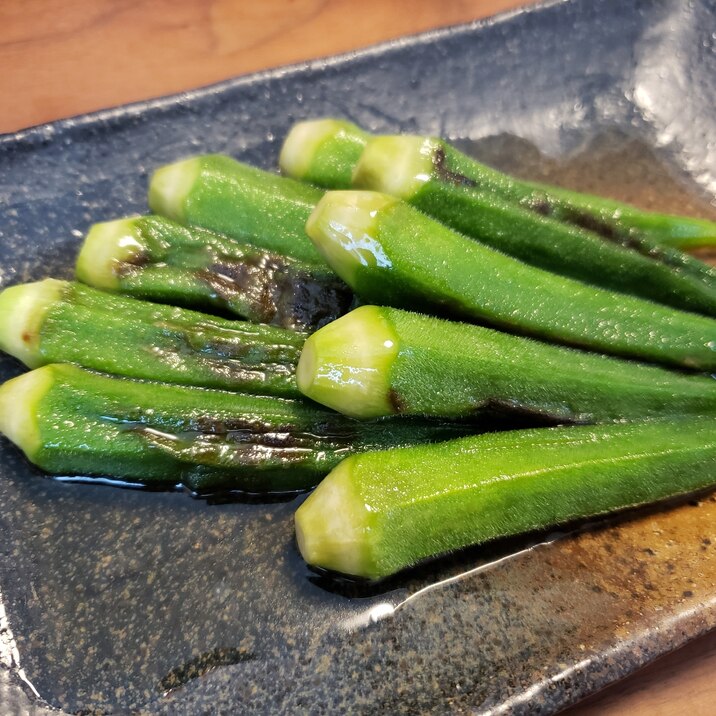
x,y
325,152
70,421
392,254
380,512
61,322
245,203
672,230
154,258
382,361
424,173
481,203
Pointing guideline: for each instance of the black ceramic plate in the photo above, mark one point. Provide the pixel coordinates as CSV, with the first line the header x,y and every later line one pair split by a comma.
x,y
121,600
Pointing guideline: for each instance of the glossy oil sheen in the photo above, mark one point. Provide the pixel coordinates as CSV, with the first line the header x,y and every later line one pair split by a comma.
x,y
121,599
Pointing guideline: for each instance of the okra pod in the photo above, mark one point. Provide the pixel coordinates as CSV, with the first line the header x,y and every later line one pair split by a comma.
x,y
154,258
392,254
424,173
381,512
60,322
70,421
417,171
673,230
237,200
325,152
382,361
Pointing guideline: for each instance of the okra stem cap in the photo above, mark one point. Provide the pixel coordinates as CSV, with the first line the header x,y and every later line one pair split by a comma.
x,y
344,229
108,244
305,139
22,312
396,165
19,399
170,186
331,525
346,365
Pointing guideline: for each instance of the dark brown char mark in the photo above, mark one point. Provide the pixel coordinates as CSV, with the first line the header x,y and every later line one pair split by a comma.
x,y
544,205
268,290
503,413
230,369
131,265
315,428
444,172
245,349
396,401
242,448
527,416
608,229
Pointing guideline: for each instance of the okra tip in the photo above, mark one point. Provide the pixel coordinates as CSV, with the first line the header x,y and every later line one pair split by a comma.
x,y
331,525
343,227
22,311
170,185
346,364
107,245
397,165
306,138
19,399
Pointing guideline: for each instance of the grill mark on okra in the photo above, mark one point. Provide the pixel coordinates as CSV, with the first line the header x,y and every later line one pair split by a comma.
x,y
511,409
503,410
446,174
320,429
216,426
627,238
217,348
227,368
544,206
396,401
609,230
600,227
129,267
245,452
277,295
249,280
243,446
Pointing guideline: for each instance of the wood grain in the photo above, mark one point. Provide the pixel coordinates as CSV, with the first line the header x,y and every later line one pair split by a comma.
x,y
64,57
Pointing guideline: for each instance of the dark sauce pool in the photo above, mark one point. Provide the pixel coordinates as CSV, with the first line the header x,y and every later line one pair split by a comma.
x,y
119,600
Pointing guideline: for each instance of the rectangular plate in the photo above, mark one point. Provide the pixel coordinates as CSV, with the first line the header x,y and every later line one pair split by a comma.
x,y
123,600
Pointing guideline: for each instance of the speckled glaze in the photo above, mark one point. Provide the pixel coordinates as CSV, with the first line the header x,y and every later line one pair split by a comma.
x,y
123,600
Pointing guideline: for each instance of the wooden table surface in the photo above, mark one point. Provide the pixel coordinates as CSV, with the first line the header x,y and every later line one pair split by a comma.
x,y
64,57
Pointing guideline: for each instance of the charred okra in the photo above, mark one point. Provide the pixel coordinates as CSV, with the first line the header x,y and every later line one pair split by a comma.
x,y
71,421
157,259
325,152
588,251
540,231
60,322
